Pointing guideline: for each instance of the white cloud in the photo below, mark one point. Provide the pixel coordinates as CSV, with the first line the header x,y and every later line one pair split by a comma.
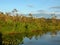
x,y
44,12
58,17
55,7
30,5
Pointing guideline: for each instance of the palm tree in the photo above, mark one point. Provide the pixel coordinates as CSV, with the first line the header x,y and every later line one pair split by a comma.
x,y
30,15
53,15
14,11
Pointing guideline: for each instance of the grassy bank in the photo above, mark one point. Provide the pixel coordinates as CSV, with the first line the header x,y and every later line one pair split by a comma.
x,y
20,23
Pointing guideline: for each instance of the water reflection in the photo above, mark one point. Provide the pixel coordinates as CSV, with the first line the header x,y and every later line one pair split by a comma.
x,y
32,38
53,33
45,39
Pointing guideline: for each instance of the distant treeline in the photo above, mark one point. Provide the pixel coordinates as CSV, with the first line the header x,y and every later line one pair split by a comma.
x,y
18,23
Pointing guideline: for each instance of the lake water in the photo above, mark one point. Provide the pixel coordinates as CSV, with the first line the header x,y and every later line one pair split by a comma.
x,y
45,39
37,38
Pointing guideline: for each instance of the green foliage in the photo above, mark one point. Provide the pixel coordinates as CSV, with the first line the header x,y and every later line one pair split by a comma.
x,y
17,26
21,23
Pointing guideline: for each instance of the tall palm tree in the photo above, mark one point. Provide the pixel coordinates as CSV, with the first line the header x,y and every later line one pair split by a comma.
x,y
14,11
53,15
30,15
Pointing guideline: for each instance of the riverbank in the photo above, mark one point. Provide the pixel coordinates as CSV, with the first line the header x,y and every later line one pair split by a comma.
x,y
20,23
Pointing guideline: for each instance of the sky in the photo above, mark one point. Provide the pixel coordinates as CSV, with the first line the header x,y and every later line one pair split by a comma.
x,y
30,6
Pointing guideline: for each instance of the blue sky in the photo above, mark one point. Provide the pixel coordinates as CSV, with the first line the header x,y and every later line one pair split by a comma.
x,y
27,6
